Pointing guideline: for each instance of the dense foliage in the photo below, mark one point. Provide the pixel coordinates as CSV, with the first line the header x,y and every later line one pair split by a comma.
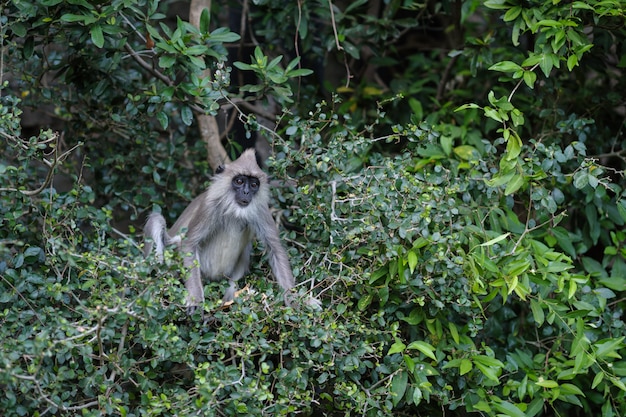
x,y
451,182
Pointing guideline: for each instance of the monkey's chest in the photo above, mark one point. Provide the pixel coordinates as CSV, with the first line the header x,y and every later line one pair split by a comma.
x,y
226,254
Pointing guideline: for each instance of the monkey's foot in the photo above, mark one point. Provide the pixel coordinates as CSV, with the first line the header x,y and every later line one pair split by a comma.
x,y
194,308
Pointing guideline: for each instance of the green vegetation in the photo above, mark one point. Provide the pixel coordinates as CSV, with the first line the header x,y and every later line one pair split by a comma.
x,y
450,178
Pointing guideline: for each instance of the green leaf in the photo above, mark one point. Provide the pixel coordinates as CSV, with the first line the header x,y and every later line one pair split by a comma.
x,y
547,383
621,209
73,18
608,348
564,240
417,395
259,57
223,35
365,301
197,62
570,389
243,66
274,62
572,61
163,119
506,66
581,5
517,181
535,407
508,409
19,29
492,113
488,361
412,259
497,4
446,143
549,23
397,347
29,48
513,145
490,373
618,383
454,332
516,31
467,153
537,311
398,386
301,72
496,239
546,64
467,106
205,21
465,367
186,115
196,50
293,64
423,347
417,109
529,78
581,179
500,179
597,379
616,283
454,363
352,50
512,13
166,47
96,36
166,61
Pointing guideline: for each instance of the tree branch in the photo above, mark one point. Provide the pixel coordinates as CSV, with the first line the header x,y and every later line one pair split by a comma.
x,y
147,66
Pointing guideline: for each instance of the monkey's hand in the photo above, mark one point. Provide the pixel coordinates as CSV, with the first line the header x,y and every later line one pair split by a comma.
x,y
292,300
313,303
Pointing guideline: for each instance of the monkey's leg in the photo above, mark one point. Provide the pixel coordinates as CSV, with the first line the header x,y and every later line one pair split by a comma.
x,y
238,272
229,294
195,290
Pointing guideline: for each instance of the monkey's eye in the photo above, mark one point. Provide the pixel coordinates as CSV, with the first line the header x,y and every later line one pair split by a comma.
x,y
238,181
254,184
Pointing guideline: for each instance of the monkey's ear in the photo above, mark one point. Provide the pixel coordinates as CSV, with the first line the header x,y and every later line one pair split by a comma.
x,y
220,169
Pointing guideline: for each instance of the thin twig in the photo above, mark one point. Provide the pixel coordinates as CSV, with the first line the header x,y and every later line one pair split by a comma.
x,y
334,25
147,66
519,83
444,77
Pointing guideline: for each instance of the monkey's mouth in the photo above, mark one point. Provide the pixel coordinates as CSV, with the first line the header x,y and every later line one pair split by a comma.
x,y
243,203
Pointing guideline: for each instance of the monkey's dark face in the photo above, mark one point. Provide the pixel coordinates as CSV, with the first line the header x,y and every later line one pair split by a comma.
x,y
245,187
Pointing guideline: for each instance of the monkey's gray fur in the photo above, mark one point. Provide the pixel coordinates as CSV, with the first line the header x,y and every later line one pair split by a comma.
x,y
219,232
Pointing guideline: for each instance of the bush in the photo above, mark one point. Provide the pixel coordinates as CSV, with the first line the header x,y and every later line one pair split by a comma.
x,y
466,243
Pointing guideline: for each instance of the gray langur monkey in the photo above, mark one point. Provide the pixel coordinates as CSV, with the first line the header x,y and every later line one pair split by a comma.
x,y
220,225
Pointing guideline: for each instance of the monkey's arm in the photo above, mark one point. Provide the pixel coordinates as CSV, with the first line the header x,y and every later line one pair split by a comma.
x,y
279,262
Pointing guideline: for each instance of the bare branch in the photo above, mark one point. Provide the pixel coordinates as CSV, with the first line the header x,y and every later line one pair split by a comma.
x,y
147,66
209,130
